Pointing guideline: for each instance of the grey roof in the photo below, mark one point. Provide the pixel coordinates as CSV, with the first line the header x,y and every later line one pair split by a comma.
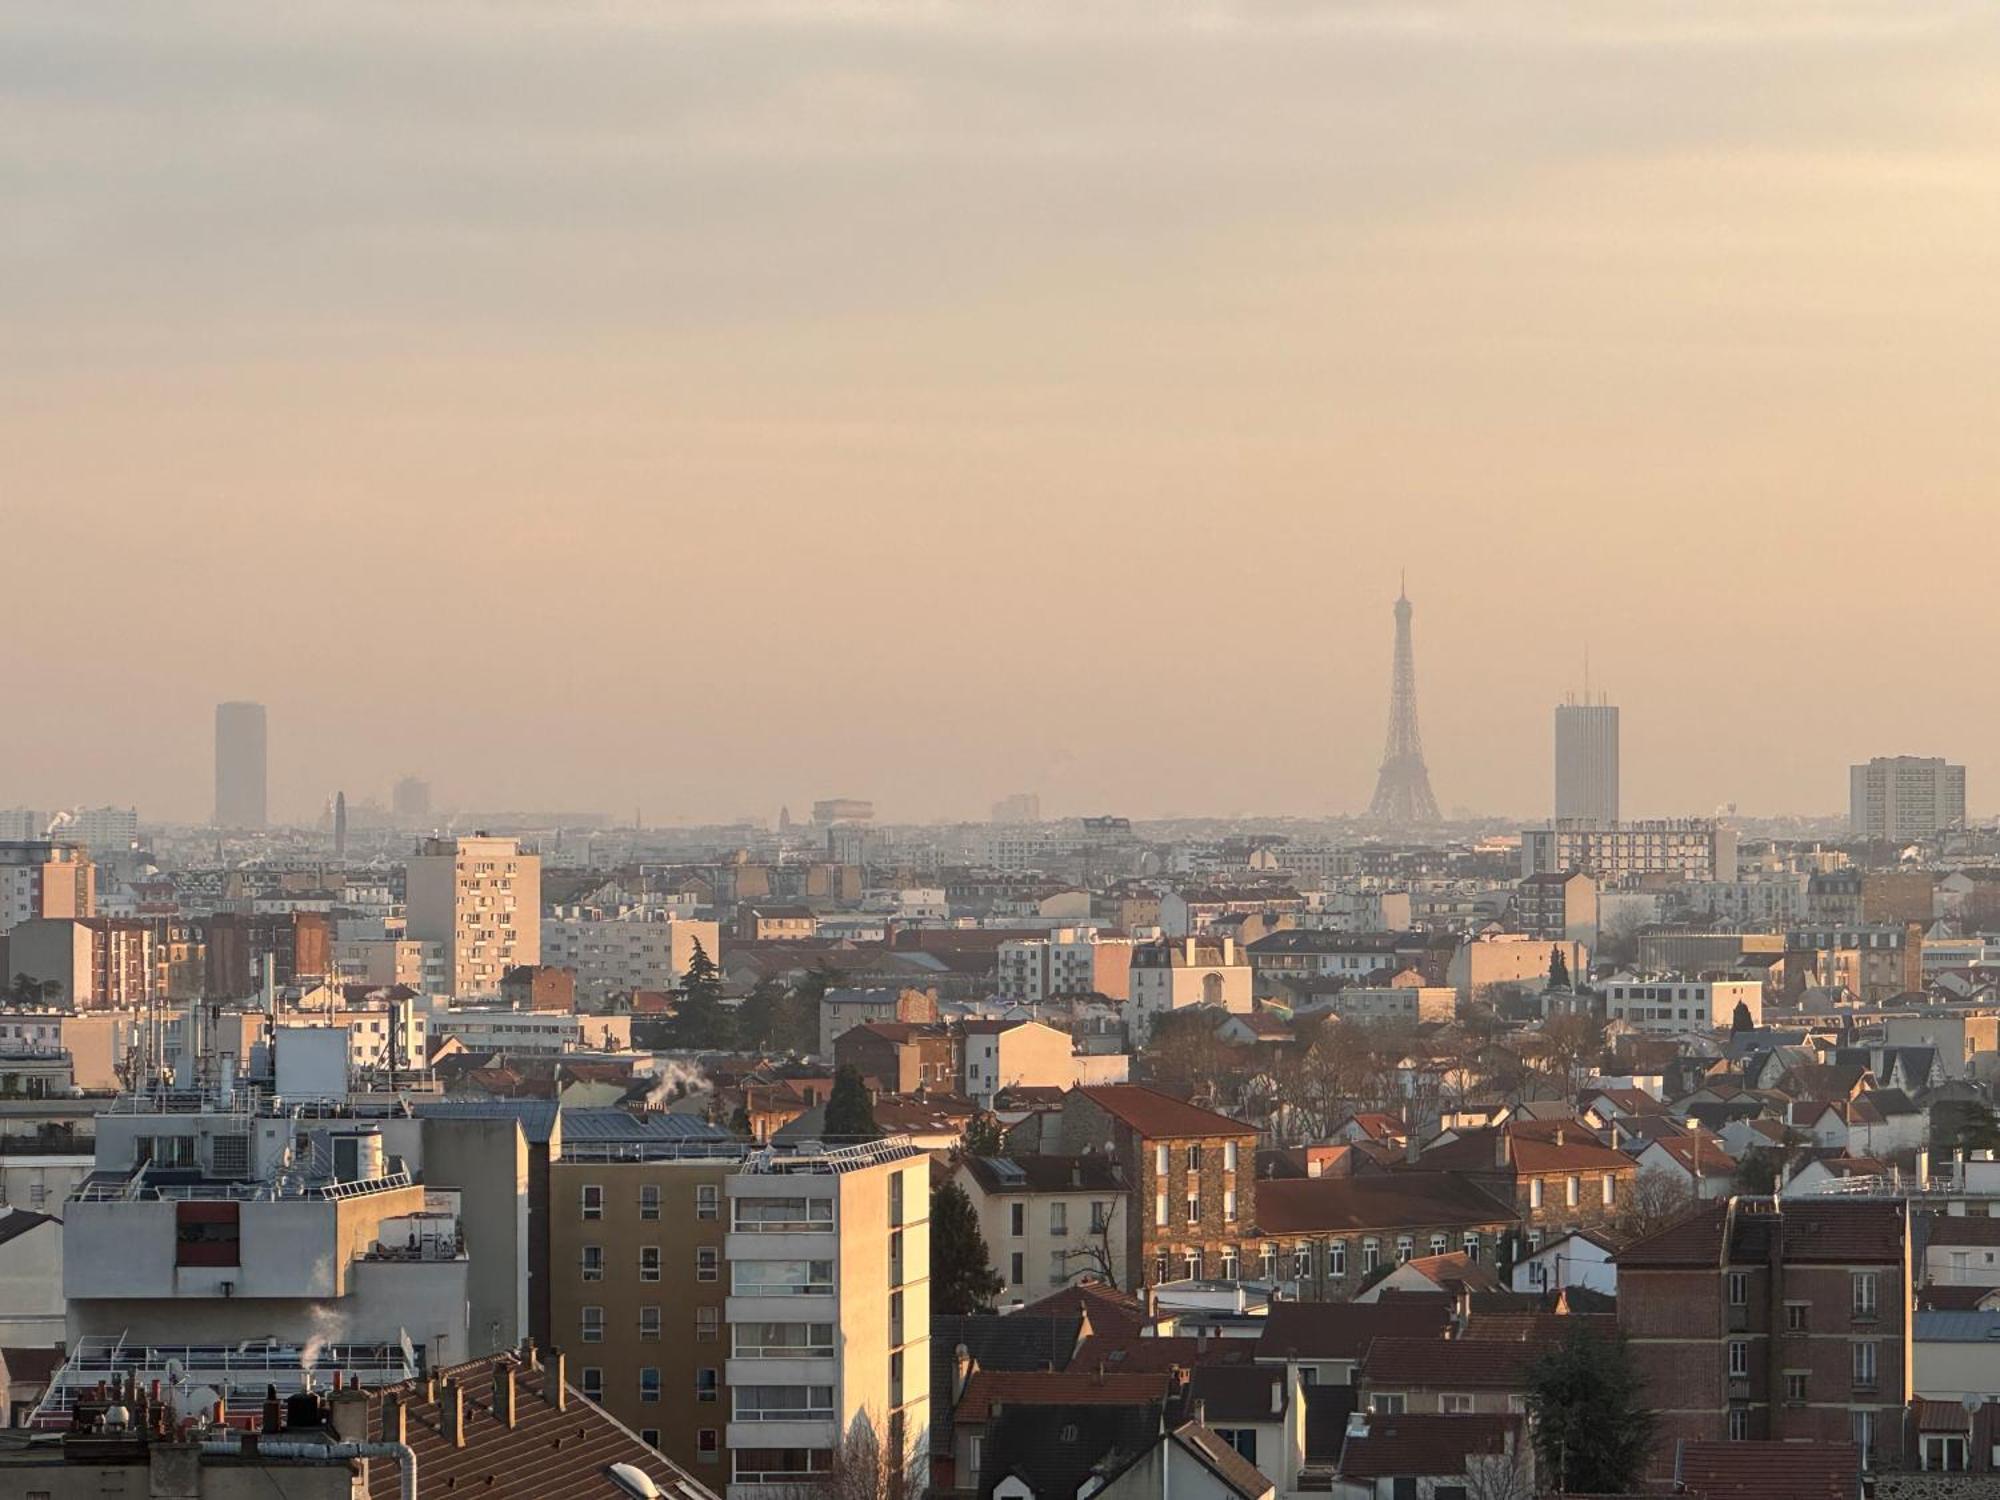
x,y
1958,1327
621,1125
1055,1449
537,1116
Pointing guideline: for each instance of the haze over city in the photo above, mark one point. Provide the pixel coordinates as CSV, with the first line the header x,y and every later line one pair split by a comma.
x,y
698,408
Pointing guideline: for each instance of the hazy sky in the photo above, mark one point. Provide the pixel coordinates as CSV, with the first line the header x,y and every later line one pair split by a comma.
x,y
705,406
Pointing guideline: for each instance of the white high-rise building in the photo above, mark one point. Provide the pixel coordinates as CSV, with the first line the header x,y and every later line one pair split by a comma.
x,y
1904,797
1587,762
481,898
102,830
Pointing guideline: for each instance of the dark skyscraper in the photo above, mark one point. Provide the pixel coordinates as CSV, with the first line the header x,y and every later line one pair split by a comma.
x,y
1403,788
239,766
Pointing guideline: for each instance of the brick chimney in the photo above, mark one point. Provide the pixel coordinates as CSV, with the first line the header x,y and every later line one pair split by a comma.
x,y
350,1414
503,1392
395,1418
451,1412
555,1379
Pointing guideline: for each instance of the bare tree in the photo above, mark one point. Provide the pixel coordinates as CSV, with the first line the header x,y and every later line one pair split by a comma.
x,y
1658,1199
861,1466
1094,1257
1501,1476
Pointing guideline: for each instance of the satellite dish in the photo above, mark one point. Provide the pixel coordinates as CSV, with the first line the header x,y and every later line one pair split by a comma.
x,y
1972,1401
198,1402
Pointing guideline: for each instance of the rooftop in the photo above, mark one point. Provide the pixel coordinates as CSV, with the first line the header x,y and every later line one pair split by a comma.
x,y
1158,1116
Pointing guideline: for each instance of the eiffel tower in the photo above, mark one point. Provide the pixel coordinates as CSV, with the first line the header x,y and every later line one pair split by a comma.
x,y
1403,787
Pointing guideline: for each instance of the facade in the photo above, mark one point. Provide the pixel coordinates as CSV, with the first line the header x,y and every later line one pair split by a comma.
x,y
840,1009
998,1055
240,766
625,951
1904,797
43,879
1068,961
1674,1002
1193,1174
1587,762
1690,848
481,898
903,1058
1327,1235
1177,972
1393,1002
1558,907
99,963
239,950
1049,1219
1510,958
1785,1321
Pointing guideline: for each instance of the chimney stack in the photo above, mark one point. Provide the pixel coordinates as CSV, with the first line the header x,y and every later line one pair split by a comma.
x,y
451,1412
503,1392
395,1418
350,1414
555,1379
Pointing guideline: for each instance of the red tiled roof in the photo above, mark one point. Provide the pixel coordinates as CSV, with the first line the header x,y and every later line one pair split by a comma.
x,y
1127,1353
1536,1327
1158,1116
1830,1232
1947,1229
1454,1364
1423,1445
1400,1200
1072,1387
1110,1311
1704,1154
1343,1330
1771,1471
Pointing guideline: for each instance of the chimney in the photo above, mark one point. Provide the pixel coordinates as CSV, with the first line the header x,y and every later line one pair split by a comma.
x,y
503,1392
395,1418
555,1379
1503,1149
350,1415
963,1364
529,1357
1277,1398
1559,1135
451,1412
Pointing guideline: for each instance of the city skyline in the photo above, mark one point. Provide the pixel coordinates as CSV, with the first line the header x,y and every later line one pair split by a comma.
x,y
666,350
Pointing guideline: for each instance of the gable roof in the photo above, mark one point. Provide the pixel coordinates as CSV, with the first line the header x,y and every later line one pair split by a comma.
x,y
1422,1445
1159,1116
1237,1474
1770,1470
1154,1356
1232,1394
1455,1364
1110,1311
1399,1200
1343,1330
1821,1232
1055,1449
991,1389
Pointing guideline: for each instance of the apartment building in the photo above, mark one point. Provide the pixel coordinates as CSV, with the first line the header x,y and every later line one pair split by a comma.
x,y
1068,961
481,898
1174,973
1674,1002
904,1059
842,1009
1388,1002
632,948
1049,1219
43,879
1193,1174
1690,848
742,1307
1760,1319
239,949
1560,906
1327,1235
1311,953
996,1055
1557,1176
99,962
1904,797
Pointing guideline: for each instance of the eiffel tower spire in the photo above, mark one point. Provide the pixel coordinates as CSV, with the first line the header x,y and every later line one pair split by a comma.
x,y
1403,787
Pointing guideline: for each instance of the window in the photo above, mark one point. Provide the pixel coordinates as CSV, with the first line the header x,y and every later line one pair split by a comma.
x,y
1534,1192
1470,1245
707,1383
1017,1219
1610,1189
649,1200
1160,1160
593,1382
1018,1266
1739,1289
1739,1360
1229,1205
1159,1210
1231,1265
783,1340
1945,1453
1058,1268
1269,1257
1191,1264
591,1329
593,1262
1059,1218
1194,1158
895,1200
1572,1191
1194,1210
1336,1258
593,1200
1795,1316
1302,1260
782,1278
649,1383
1517,1404
1405,1248
781,1215
1371,1257
1864,1296
1100,1216
1861,1427
708,1444
707,1201
649,1321
1455,1405
1739,1424
1864,1367
650,1436
1438,1244
783,1403
1160,1267
707,1264
707,1324
1229,1165
1795,1386
1387,1403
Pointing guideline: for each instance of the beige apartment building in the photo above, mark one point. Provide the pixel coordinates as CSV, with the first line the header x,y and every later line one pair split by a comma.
x,y
740,1306
481,898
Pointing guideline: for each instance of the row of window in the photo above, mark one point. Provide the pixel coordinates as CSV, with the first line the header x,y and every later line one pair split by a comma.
x,y
1100,1217
1194,1208
1864,1304
707,1263
707,1200
1607,1189
1163,1156
1865,1368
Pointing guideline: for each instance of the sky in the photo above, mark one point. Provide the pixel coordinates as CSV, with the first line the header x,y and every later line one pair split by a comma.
x,y
698,407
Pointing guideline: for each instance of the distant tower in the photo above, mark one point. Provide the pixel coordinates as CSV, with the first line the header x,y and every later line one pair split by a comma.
x,y
1403,787
239,765
340,825
1587,760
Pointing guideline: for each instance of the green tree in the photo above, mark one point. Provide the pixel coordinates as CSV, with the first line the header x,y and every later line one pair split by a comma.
x,y
1978,1129
1558,970
850,1116
1757,1171
701,1022
1593,1429
982,1137
1739,1019
962,1276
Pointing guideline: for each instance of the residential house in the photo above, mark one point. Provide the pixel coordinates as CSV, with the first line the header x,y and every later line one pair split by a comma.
x,y
1698,1163
1584,1259
1049,1219
842,1009
1958,1250
1174,973
1327,1339
904,1058
1557,1175
1449,1377
1452,1274
1330,1235
1402,1456
995,1055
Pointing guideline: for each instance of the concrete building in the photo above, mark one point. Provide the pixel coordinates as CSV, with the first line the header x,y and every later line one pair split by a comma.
x,y
1386,1002
43,879
1068,961
1049,1219
1558,907
903,1058
996,1055
1690,848
628,949
240,798
1176,972
796,1284
1675,1002
840,1009
98,962
1510,958
1587,762
107,830
1904,797
481,898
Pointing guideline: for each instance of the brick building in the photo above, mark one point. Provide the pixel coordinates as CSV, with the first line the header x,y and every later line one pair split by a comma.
x,y
1194,1176
1788,1320
1558,1175
1330,1234
904,1058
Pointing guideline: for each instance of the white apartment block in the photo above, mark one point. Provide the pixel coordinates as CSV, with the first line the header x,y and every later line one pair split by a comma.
x,y
632,948
1177,972
500,1028
1775,898
105,830
1069,961
1904,797
1671,1002
1392,1002
481,898
40,879
1692,848
1048,1220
